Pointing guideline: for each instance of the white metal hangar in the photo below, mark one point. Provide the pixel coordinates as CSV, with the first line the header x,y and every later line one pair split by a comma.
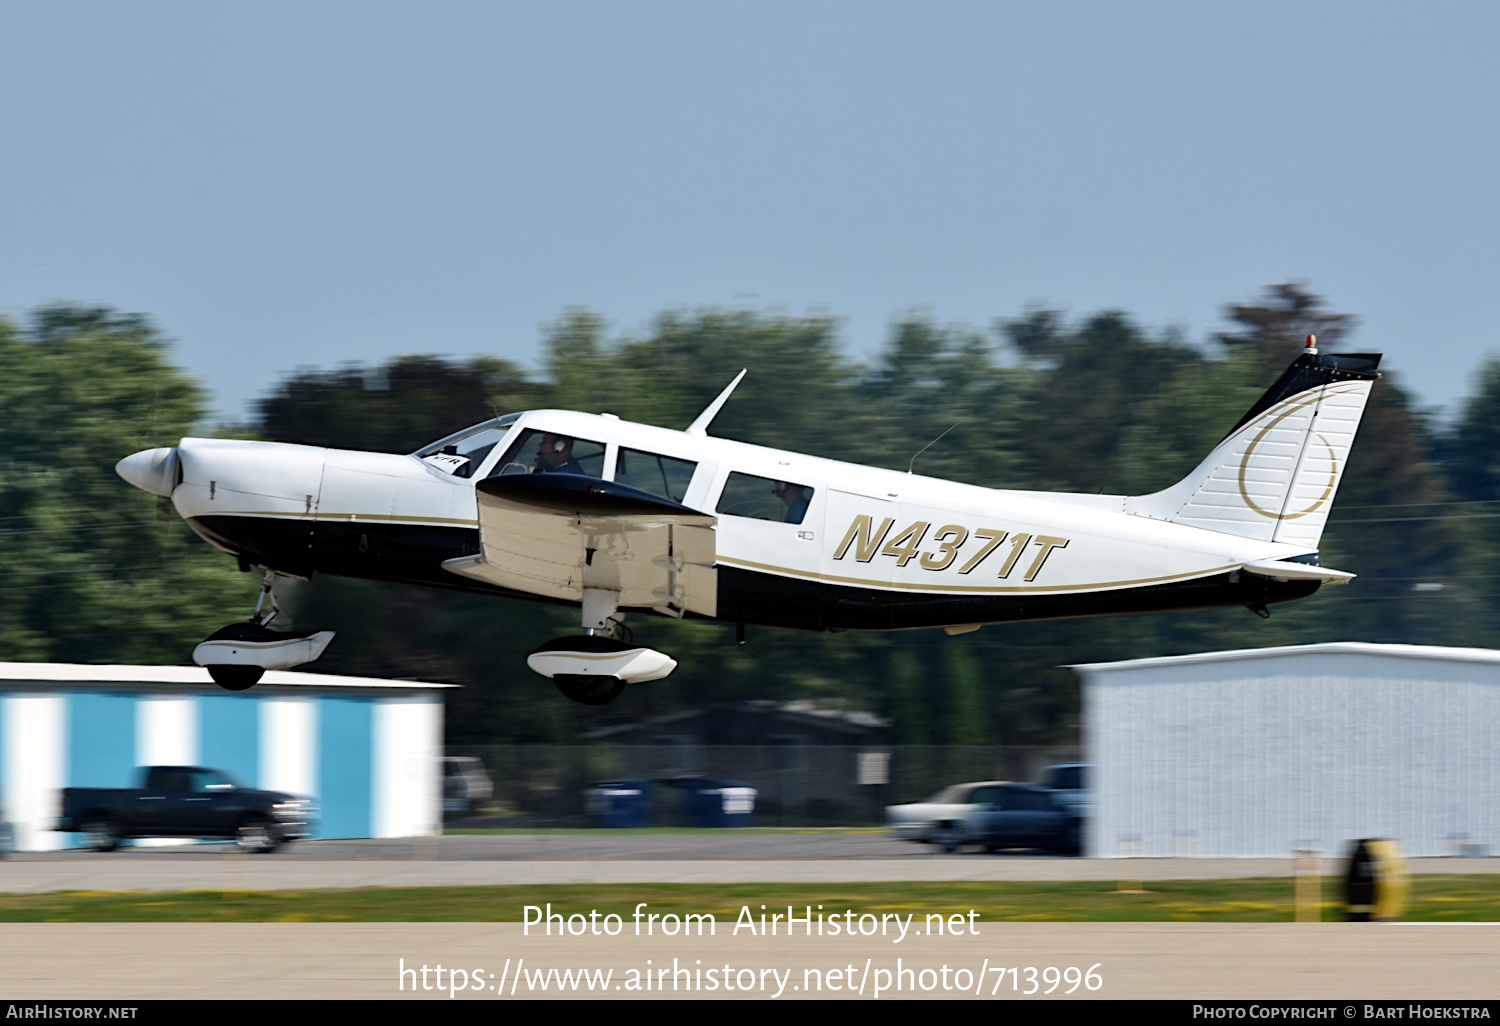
x,y
1262,752
367,750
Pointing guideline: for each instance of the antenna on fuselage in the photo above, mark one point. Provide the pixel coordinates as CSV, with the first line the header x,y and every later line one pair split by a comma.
x,y
930,444
699,426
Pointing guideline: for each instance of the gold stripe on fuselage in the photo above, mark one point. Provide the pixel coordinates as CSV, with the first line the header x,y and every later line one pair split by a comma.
x,y
346,518
889,586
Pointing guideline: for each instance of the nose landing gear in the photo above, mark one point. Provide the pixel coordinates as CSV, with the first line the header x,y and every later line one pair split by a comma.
x,y
238,654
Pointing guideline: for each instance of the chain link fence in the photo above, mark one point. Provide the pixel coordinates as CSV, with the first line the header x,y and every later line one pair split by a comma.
x,y
798,785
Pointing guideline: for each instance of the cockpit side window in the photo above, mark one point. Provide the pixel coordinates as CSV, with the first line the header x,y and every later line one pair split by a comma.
x,y
760,498
659,475
546,452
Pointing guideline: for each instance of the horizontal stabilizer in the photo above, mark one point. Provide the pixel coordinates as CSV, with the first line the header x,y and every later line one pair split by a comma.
x,y
1285,570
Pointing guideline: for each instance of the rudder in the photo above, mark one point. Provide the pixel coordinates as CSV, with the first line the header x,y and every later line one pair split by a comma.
x,y
1274,476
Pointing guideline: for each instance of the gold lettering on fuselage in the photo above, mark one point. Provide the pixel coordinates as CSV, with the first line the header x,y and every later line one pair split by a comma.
x,y
955,535
992,541
1048,544
865,540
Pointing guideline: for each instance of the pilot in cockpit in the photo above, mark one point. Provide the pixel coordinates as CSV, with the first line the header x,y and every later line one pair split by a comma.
x,y
796,498
554,455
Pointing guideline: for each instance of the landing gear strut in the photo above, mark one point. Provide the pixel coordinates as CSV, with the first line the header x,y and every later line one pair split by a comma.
x,y
593,668
237,655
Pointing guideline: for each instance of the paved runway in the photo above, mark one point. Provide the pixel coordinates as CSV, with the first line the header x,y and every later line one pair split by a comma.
x,y
711,857
601,844
1338,962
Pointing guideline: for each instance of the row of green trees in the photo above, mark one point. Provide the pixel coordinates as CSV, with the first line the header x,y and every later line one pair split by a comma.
x,y
96,571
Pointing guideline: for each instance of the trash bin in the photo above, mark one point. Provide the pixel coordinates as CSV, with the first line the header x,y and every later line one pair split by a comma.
x,y
1376,883
619,803
720,803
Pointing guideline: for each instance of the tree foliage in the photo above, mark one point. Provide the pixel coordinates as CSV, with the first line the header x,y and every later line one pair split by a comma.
x,y
95,570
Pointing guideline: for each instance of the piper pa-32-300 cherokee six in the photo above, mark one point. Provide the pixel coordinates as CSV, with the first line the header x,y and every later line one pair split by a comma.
x,y
614,516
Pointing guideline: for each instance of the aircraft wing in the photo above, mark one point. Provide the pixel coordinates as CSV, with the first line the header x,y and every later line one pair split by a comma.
x,y
553,535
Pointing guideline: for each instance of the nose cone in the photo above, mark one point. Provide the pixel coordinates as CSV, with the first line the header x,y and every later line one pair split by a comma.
x,y
157,471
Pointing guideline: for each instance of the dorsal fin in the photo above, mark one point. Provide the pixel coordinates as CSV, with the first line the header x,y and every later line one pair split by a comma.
x,y
699,426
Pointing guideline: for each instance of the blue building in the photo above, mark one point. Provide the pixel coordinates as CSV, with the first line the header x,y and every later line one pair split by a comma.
x,y
367,750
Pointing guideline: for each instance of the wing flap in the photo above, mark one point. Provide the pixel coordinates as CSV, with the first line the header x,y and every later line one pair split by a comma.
x,y
553,535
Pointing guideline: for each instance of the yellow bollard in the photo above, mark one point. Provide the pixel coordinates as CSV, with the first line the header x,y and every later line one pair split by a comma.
x,y
1309,887
1395,880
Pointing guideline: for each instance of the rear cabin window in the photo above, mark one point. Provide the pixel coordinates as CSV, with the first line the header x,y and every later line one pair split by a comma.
x,y
760,498
546,452
659,475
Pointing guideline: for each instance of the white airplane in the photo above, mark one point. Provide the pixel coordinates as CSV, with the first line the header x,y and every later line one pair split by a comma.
x,y
618,517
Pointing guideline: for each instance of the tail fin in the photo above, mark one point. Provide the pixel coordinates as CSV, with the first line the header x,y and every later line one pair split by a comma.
x,y
1273,476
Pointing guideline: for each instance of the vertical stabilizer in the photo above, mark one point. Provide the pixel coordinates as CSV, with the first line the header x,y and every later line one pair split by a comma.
x,y
1273,477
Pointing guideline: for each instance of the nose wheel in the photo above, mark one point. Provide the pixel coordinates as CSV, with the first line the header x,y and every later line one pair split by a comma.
x,y
237,655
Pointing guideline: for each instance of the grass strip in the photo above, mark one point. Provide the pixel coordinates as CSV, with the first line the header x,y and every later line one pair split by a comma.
x,y
696,831
1438,898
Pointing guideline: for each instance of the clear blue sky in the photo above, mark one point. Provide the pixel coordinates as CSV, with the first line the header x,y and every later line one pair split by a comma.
x,y
285,184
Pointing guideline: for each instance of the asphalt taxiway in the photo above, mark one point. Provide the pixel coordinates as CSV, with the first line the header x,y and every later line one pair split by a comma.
x,y
709,857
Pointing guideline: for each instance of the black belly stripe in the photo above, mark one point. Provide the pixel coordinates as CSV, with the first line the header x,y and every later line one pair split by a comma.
x,y
747,596
414,554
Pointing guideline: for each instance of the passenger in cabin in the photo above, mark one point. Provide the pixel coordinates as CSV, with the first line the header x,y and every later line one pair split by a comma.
x,y
795,497
554,455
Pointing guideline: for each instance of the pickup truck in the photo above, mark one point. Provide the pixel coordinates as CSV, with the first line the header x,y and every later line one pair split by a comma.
x,y
185,801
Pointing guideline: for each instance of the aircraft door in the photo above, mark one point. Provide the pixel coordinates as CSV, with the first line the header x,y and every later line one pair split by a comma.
x,y
771,524
858,526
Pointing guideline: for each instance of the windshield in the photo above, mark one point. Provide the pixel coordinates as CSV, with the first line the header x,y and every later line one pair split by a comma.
x,y
468,432
461,453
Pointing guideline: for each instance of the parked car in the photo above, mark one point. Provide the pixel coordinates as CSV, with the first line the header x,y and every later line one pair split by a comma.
x,y
1027,816
185,801
465,784
1069,783
944,818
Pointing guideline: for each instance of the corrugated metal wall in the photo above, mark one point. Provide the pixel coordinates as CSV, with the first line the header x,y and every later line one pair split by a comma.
x,y
1307,748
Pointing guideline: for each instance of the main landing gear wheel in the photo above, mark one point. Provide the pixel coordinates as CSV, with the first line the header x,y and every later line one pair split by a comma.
x,y
593,668
589,690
